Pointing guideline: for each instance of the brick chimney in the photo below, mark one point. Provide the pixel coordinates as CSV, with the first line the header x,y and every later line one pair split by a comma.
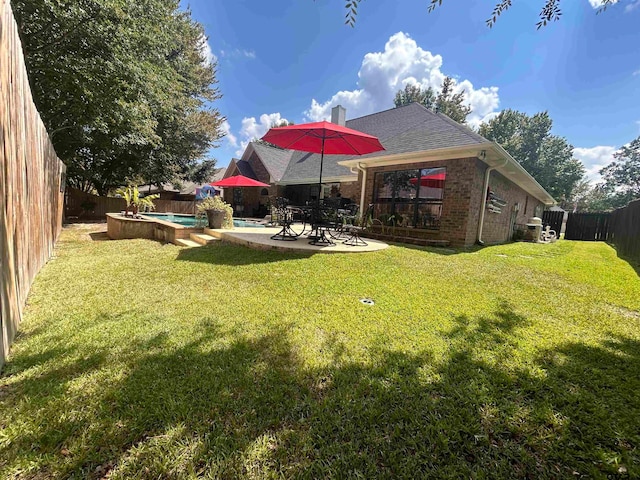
x,y
338,115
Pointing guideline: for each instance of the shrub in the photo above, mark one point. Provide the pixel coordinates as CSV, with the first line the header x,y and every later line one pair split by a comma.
x,y
216,203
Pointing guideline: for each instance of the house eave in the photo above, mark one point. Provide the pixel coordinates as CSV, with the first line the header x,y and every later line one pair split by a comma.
x,y
516,173
490,153
422,156
314,181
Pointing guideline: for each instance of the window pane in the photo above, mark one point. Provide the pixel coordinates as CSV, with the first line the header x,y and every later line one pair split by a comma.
x,y
382,212
432,183
429,215
383,192
404,214
405,186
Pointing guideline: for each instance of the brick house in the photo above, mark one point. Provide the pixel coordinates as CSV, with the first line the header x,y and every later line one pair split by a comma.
x,y
436,181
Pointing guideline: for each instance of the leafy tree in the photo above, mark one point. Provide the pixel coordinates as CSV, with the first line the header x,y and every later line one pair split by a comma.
x,y
447,102
413,93
282,123
451,104
548,158
550,10
622,176
121,86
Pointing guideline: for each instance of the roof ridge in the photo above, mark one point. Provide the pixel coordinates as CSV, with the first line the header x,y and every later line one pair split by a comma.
x,y
288,151
382,111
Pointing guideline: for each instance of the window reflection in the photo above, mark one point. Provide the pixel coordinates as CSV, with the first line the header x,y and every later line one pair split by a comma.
x,y
410,198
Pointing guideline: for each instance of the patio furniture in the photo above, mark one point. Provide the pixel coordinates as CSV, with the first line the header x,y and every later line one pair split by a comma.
x,y
282,215
323,220
357,227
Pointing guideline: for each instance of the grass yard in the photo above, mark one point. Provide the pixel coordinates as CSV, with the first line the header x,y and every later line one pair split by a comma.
x,y
142,360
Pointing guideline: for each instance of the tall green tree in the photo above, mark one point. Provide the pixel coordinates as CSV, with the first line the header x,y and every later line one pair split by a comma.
x,y
123,87
548,158
550,11
447,102
452,104
413,93
622,176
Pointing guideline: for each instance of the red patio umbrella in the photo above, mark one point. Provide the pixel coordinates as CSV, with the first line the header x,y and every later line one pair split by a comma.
x,y
434,180
323,137
238,181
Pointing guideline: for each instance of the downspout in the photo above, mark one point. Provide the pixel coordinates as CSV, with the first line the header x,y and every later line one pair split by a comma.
x,y
485,187
362,169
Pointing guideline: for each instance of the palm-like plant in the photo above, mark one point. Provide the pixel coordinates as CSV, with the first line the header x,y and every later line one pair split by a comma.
x,y
132,198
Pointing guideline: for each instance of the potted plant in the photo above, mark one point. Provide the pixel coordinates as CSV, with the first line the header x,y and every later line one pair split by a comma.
x,y
134,201
219,213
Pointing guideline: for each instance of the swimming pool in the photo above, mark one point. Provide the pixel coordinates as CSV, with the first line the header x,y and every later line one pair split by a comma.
x,y
190,220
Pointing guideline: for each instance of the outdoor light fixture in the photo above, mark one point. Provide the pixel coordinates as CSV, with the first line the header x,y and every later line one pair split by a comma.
x,y
483,155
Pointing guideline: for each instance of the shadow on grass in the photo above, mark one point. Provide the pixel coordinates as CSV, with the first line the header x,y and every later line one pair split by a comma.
x,y
224,254
634,262
229,406
99,236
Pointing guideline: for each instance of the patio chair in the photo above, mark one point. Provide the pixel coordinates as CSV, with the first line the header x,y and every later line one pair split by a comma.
x,y
282,215
357,227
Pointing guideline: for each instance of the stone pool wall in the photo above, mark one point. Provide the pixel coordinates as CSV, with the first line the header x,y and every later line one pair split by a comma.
x,y
119,227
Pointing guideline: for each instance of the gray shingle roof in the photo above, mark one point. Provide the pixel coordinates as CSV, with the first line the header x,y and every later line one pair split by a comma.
x,y
245,169
275,160
410,128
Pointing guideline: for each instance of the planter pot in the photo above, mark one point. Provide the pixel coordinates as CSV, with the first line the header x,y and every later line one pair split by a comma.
x,y
215,218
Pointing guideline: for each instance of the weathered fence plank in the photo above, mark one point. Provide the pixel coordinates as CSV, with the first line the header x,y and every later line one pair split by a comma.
x,y
86,206
31,198
554,220
626,230
588,226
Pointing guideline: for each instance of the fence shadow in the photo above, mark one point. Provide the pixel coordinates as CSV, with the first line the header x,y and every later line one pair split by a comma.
x,y
232,406
225,254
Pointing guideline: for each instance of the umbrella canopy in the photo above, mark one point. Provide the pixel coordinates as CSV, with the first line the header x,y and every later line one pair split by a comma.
x,y
323,137
434,180
238,181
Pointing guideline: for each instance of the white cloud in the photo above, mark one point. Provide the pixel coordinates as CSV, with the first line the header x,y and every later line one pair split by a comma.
x,y
237,53
205,48
231,138
595,4
594,159
632,6
402,62
251,128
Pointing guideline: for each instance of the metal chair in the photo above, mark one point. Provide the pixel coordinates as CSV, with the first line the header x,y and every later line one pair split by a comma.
x,y
283,216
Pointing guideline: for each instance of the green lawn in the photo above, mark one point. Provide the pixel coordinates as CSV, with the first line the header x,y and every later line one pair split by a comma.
x,y
142,360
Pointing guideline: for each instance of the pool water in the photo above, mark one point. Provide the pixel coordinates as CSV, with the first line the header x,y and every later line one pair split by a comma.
x,y
190,220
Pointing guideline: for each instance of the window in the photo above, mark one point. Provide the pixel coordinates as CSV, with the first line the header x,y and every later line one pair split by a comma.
x,y
410,198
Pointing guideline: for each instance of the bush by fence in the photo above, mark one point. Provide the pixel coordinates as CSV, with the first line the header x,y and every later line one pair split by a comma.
x,y
31,184
626,230
86,206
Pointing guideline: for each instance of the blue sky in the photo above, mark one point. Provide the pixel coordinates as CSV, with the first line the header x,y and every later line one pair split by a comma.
x,y
296,59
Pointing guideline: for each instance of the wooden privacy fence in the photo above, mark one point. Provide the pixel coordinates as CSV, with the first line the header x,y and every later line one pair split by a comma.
x,y
31,184
588,226
86,206
554,220
626,230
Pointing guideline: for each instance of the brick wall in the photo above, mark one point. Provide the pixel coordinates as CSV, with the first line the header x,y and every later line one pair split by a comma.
x,y
498,226
462,200
458,193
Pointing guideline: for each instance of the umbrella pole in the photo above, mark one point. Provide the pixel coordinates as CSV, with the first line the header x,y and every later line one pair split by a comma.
x,y
320,182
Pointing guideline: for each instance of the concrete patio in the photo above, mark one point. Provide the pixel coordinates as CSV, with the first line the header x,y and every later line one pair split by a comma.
x,y
260,239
